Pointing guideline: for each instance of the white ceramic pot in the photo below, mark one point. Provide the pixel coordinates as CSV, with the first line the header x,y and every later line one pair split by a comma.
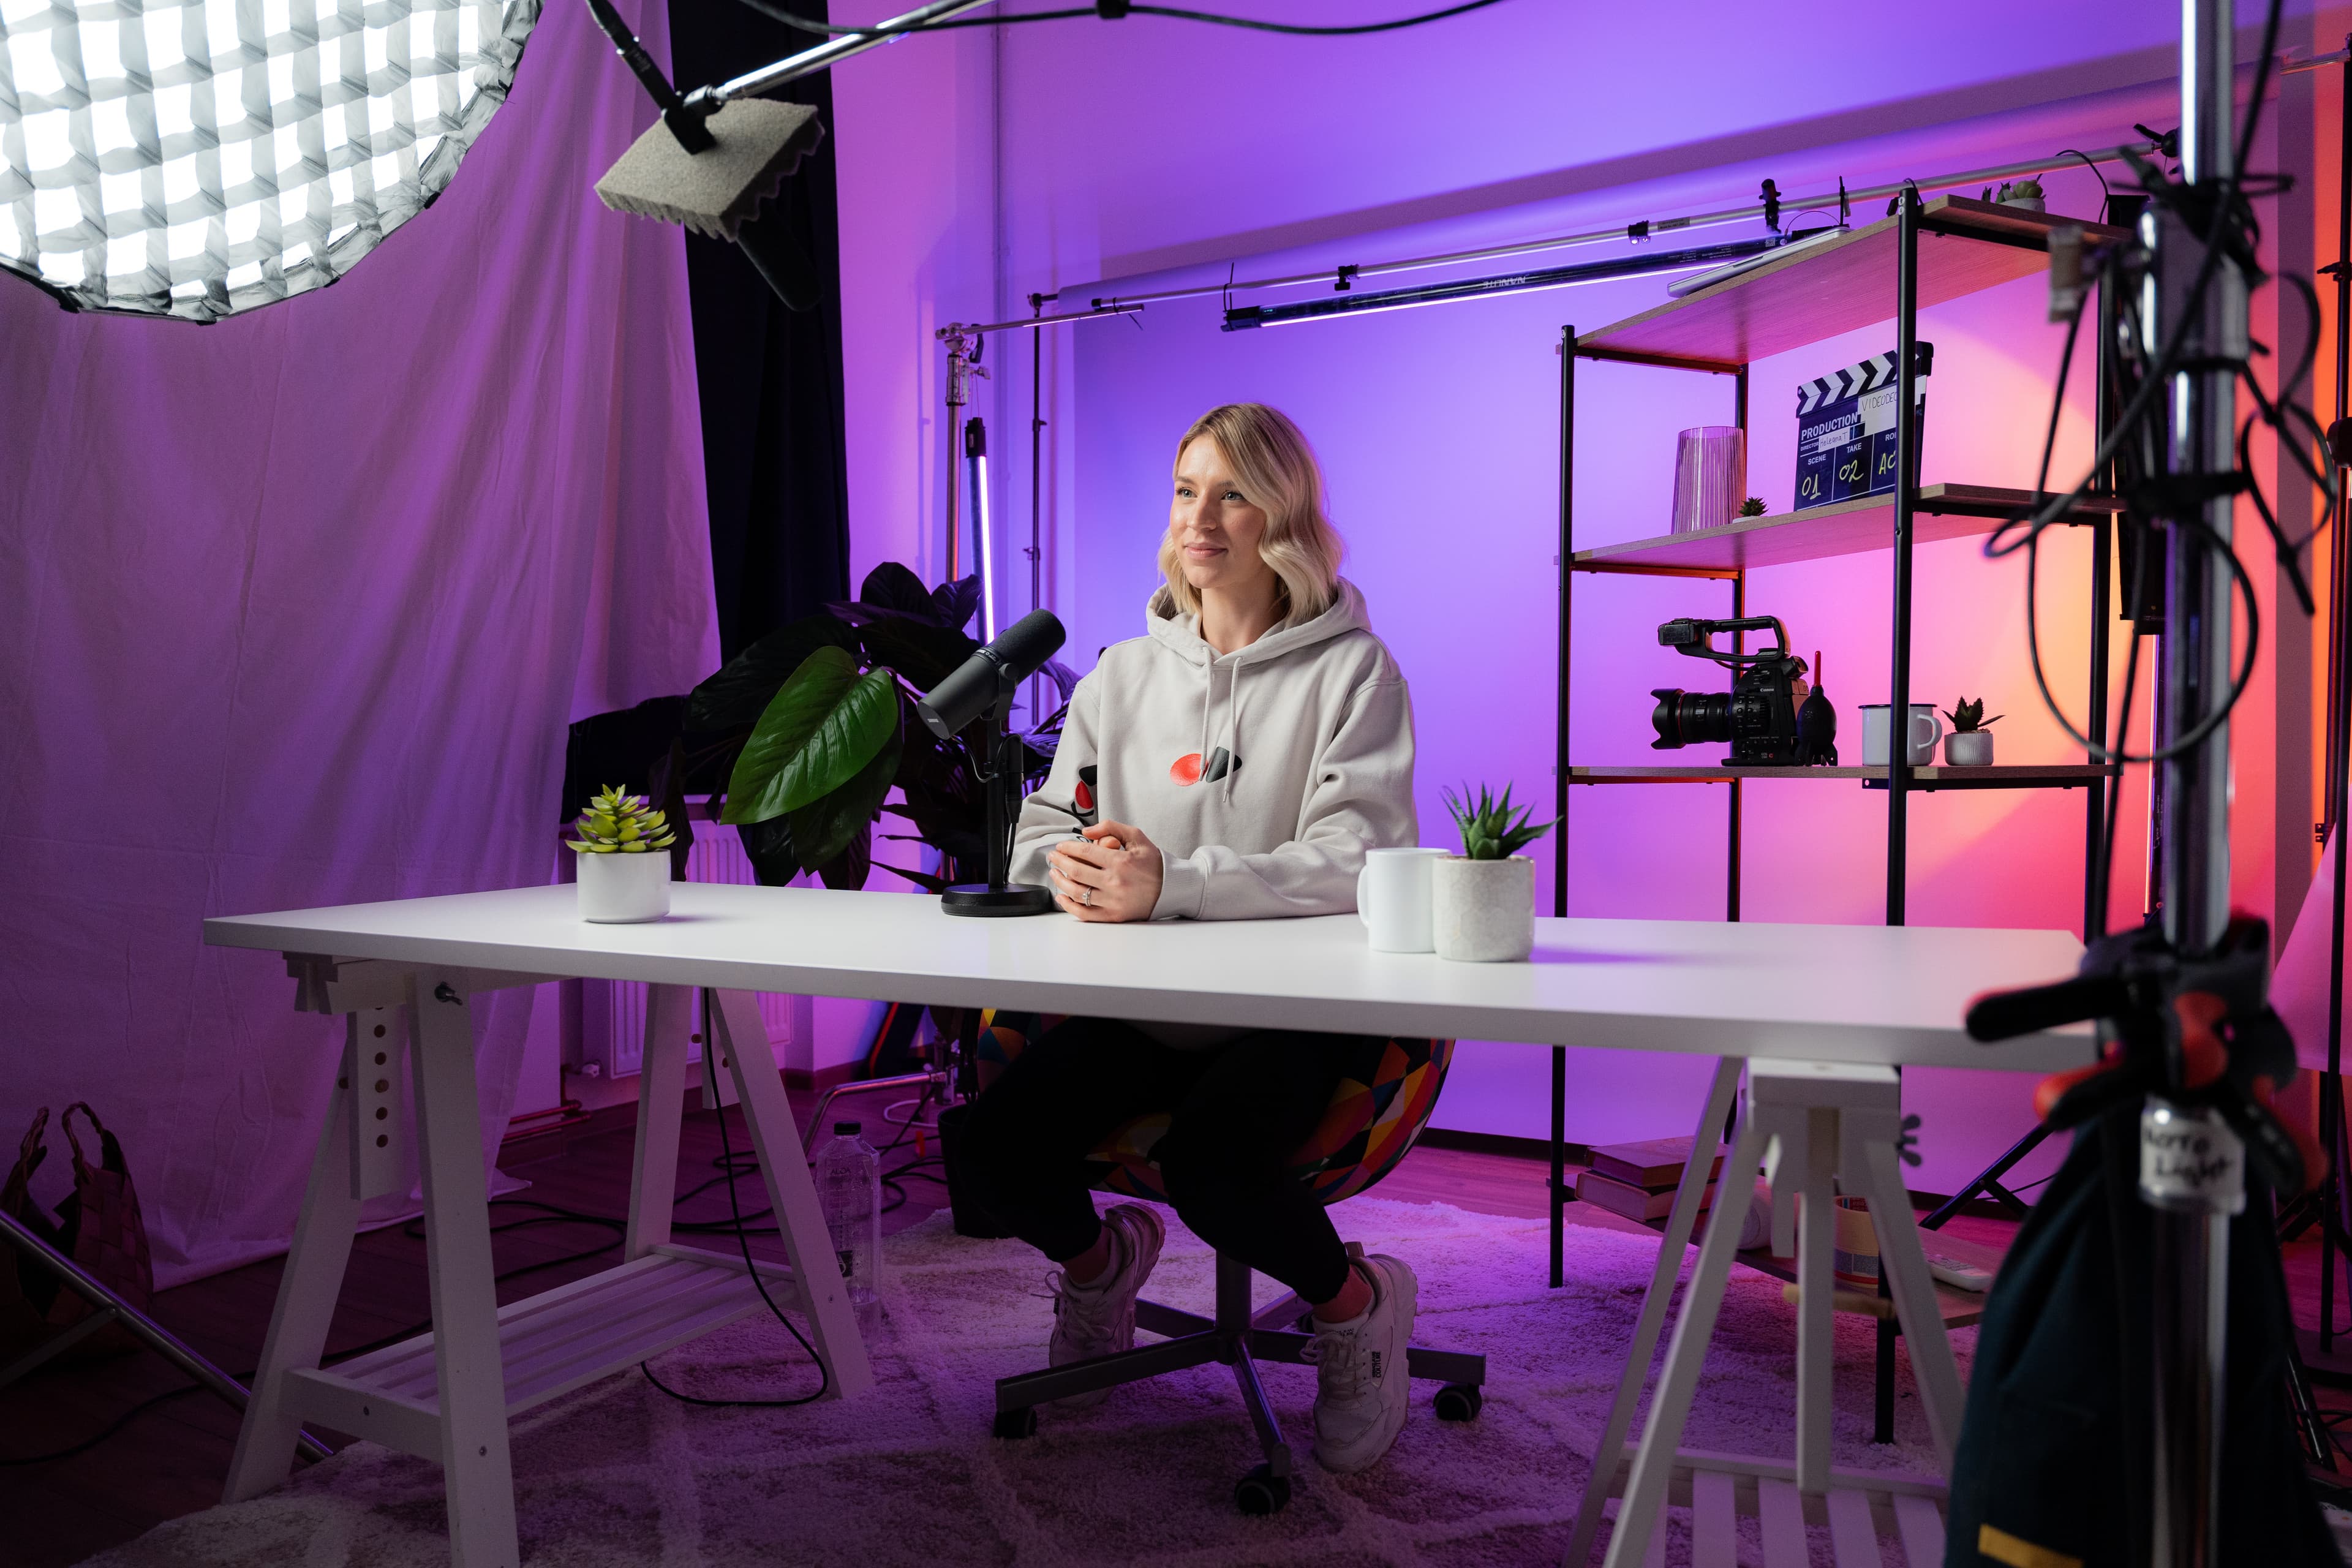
x,y
618,888
2028,204
1968,748
1483,910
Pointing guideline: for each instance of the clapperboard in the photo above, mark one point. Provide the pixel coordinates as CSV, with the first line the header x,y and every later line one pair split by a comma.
x,y
1845,429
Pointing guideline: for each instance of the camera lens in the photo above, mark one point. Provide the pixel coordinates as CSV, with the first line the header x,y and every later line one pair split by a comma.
x,y
1690,718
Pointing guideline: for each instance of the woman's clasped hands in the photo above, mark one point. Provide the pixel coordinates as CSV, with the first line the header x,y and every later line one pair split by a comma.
x,y
1110,874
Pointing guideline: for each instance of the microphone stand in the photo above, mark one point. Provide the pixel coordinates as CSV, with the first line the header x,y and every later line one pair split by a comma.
x,y
996,758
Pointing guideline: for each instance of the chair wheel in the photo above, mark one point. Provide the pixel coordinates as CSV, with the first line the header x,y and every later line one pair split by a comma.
x,y
1459,1402
1021,1423
1262,1492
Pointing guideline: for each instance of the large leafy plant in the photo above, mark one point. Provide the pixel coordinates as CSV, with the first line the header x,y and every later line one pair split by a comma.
x,y
806,734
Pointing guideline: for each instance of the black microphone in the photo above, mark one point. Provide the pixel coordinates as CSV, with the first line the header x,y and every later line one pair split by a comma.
x,y
1016,654
984,685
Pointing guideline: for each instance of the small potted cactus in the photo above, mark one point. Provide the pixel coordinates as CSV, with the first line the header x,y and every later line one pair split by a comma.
x,y
1483,901
1970,745
1752,507
623,845
2025,192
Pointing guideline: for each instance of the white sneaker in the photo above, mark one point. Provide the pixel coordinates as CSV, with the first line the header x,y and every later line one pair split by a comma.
x,y
1099,1318
1362,1387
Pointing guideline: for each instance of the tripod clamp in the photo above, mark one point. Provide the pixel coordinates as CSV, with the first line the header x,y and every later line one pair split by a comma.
x,y
2189,1035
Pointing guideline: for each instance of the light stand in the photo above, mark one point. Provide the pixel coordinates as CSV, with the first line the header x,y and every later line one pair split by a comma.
x,y
1001,776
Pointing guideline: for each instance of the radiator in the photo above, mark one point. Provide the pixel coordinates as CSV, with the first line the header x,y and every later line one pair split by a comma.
x,y
604,1020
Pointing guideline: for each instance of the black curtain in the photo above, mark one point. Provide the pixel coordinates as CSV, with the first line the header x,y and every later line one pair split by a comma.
x,y
773,446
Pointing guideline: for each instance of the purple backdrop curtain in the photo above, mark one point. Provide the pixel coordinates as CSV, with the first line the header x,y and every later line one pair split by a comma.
x,y
297,608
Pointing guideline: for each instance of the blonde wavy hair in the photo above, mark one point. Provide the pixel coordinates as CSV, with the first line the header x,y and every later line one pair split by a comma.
x,y
1277,470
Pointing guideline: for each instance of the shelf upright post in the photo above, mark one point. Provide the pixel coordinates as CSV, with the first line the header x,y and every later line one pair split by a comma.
x,y
1738,610
2335,1194
1559,788
1906,484
2094,810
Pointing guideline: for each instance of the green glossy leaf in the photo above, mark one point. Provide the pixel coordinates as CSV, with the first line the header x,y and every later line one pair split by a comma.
x,y
828,825
769,846
735,697
824,726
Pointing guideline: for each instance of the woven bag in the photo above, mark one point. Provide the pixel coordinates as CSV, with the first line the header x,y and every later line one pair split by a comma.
x,y
99,1226
27,1289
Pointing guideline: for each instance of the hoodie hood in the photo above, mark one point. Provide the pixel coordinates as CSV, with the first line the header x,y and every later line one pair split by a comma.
x,y
1180,631
1221,746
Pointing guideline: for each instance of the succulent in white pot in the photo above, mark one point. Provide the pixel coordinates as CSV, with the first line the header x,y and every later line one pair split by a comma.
x,y
2025,192
624,865
1970,745
1483,901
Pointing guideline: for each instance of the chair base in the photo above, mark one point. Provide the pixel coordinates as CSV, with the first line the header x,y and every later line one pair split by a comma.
x,y
1241,1338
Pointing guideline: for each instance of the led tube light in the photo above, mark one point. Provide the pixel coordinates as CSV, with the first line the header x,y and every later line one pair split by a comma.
x,y
1243,317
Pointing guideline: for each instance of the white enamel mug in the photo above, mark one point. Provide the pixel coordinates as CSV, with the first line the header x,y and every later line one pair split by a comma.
x,y
1925,730
1392,898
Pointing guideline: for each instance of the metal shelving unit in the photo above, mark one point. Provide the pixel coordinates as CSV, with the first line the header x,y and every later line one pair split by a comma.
x,y
1925,254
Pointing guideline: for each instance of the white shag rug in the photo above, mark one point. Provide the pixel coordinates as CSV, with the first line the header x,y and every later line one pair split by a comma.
x,y
618,1473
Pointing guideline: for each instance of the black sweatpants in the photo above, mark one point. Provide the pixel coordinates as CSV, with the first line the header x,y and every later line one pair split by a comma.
x,y
1240,1111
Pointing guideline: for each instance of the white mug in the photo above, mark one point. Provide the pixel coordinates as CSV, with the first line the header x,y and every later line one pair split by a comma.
x,y
1392,898
1925,730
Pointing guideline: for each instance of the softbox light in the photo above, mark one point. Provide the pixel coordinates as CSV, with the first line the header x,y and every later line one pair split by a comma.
x,y
197,158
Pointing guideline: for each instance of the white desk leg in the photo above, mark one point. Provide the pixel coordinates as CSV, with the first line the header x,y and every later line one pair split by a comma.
x,y
1914,1290
306,1299
1816,1282
1680,1220
661,1102
791,1191
1654,1462
476,1471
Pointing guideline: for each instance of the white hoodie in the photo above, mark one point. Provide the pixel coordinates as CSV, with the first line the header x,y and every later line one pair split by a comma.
x,y
1263,775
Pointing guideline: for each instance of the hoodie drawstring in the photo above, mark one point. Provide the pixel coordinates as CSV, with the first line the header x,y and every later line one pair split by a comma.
x,y
1233,730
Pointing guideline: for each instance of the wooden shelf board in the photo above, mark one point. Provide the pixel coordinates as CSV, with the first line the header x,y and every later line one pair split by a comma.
x,y
2022,776
1817,533
1840,285
1960,1307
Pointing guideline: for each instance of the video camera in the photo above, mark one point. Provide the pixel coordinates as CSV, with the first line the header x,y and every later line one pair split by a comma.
x,y
1759,716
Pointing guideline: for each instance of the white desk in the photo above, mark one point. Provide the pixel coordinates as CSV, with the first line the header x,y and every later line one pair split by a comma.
x,y
1852,994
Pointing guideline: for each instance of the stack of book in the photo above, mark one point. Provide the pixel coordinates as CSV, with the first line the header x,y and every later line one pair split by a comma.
x,y
1638,1180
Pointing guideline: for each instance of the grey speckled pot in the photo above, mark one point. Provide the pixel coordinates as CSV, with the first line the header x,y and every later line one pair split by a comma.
x,y
1484,910
1969,749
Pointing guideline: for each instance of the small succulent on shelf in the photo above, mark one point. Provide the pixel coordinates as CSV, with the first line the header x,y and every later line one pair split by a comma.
x,y
1967,717
1490,830
617,823
1752,507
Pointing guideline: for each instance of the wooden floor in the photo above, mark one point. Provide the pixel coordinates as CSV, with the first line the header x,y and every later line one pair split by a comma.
x,y
171,1460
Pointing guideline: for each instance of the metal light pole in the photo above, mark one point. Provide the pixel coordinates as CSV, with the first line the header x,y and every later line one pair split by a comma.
x,y
2192,1166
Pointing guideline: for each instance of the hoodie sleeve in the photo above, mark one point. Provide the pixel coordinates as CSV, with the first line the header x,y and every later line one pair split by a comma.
x,y
1360,798
1046,815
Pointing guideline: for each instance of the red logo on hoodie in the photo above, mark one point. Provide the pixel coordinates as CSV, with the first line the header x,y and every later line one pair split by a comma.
x,y
1189,769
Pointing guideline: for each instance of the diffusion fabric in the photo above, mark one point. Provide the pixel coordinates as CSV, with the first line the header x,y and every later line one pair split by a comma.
x,y
294,610
199,157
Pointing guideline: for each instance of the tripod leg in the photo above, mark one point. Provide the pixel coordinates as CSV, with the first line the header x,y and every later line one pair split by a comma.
x,y
1989,1180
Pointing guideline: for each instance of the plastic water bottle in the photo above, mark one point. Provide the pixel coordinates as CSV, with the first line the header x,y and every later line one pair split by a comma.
x,y
849,1189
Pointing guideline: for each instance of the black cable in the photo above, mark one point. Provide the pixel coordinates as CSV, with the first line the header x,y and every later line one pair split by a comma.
x,y
87,1444
758,1282
827,29
2107,192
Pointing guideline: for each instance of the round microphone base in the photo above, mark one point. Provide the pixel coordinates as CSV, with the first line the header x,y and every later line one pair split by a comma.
x,y
984,901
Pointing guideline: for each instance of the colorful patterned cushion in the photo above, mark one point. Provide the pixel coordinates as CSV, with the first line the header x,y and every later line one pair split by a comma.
x,y
1365,1132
